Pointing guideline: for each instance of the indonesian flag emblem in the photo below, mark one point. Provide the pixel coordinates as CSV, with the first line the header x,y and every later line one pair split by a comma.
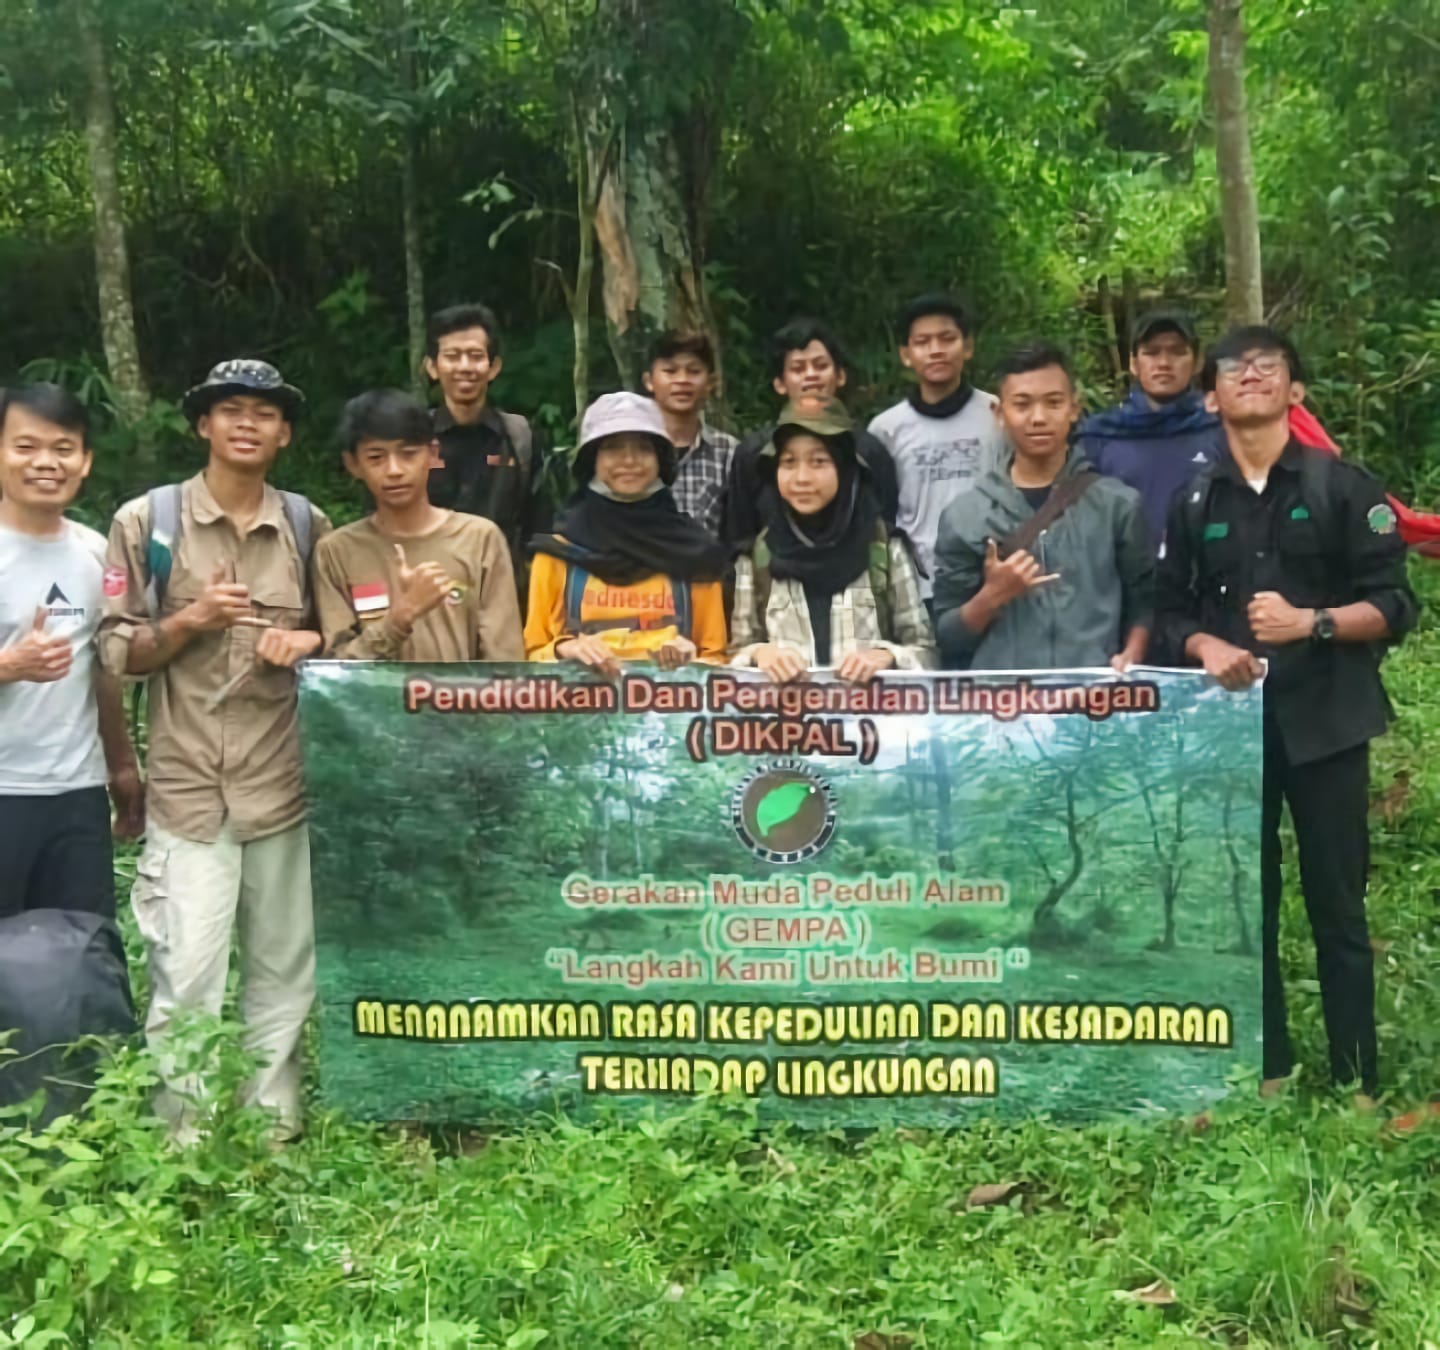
x,y
370,598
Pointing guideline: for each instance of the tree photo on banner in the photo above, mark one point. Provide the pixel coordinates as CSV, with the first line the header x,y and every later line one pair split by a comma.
x,y
953,907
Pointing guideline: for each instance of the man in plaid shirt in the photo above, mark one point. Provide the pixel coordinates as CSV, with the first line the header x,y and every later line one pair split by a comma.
x,y
680,378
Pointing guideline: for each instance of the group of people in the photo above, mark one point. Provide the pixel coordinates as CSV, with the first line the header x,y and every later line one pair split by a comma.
x,y
962,529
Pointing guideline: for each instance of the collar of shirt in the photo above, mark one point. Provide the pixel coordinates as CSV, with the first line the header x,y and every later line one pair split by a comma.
x,y
1290,460
205,510
489,419
702,437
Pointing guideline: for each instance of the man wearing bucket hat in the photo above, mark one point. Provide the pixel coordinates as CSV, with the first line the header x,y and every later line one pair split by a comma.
x,y
207,598
626,576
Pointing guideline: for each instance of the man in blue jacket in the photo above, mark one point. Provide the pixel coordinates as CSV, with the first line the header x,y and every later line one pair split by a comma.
x,y
1161,436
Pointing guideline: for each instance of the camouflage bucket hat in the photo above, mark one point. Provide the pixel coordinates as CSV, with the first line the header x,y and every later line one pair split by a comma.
x,y
257,378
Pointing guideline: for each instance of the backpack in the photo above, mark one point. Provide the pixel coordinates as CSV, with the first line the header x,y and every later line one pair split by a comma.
x,y
62,977
521,438
878,571
167,524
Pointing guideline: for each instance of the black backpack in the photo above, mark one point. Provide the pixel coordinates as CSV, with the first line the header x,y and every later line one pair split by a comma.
x,y
62,977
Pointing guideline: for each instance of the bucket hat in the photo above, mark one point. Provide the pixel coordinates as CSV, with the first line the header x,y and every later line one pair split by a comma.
x,y
258,378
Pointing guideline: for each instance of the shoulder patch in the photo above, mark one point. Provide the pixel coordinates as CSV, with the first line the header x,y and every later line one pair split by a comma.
x,y
1381,519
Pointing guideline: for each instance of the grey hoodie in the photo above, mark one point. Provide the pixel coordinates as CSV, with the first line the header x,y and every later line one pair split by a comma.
x,y
1100,549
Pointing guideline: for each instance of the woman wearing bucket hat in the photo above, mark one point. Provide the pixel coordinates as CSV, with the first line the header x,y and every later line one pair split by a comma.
x,y
625,576
825,583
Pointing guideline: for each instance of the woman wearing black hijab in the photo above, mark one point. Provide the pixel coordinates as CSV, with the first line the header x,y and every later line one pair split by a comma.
x,y
626,576
825,585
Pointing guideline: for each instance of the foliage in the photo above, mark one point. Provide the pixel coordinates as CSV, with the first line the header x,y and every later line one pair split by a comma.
x,y
1296,1223
1055,161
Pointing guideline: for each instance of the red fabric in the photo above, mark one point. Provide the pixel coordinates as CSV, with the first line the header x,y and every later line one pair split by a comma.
x,y
1419,530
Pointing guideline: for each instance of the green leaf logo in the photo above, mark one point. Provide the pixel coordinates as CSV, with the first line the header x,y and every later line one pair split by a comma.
x,y
780,804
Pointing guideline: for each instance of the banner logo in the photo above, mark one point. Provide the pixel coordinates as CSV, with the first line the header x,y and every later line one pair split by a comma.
x,y
783,812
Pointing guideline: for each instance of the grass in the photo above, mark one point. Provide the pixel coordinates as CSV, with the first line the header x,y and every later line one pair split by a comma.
x,y
1289,1223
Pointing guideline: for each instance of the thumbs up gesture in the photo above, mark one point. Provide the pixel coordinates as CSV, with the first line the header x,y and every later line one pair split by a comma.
x,y
414,591
37,657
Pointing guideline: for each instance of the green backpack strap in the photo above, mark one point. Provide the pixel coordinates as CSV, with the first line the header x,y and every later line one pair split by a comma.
x,y
880,580
760,566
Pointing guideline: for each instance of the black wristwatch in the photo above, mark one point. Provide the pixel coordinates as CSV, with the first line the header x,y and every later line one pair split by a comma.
x,y
1323,629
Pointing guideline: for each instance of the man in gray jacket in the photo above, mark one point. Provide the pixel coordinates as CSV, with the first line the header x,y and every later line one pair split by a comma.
x,y
1043,563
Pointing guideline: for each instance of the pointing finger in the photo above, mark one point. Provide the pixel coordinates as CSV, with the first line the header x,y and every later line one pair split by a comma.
x,y
400,560
41,614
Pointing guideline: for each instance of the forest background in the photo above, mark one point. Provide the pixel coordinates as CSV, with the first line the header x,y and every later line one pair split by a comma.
x,y
182,181
302,180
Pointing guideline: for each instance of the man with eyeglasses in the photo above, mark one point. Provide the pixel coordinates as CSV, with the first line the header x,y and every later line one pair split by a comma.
x,y
1288,555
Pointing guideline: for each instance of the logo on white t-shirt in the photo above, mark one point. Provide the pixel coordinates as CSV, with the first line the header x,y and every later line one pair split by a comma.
x,y
58,603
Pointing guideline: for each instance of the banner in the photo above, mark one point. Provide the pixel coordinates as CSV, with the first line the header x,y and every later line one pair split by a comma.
x,y
928,899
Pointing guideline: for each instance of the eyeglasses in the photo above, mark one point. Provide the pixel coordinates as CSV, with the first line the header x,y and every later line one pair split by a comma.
x,y
1265,365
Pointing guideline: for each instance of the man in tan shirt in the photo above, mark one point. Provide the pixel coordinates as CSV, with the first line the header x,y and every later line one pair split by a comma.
x,y
411,582
207,598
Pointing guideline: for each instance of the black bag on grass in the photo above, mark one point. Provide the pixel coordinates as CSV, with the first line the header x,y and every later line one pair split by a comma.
x,y
62,977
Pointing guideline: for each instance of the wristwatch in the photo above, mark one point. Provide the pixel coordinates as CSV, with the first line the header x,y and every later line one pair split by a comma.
x,y
1323,629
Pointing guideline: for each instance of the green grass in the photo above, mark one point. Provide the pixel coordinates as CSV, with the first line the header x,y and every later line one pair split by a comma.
x,y
1294,1223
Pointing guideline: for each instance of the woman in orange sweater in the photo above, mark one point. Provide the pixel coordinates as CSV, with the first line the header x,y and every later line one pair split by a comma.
x,y
625,576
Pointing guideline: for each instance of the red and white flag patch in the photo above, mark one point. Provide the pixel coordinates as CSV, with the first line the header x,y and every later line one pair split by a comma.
x,y
114,582
370,597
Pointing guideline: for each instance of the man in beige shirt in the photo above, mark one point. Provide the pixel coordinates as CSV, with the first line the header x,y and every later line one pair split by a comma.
x,y
206,597
411,582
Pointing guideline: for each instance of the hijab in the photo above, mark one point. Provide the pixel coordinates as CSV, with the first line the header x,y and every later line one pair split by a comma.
x,y
624,540
829,550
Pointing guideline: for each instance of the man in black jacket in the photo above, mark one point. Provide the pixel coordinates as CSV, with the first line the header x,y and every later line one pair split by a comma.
x,y
1290,554
490,464
807,363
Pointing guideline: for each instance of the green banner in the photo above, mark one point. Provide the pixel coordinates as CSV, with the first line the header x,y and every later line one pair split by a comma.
x,y
922,900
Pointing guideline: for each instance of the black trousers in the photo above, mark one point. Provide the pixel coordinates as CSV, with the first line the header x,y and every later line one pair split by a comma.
x,y
56,853
1328,800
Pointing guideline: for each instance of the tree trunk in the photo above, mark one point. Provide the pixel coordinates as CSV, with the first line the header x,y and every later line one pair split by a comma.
x,y
410,212
652,268
112,258
1050,901
944,824
1239,206
414,264
1245,944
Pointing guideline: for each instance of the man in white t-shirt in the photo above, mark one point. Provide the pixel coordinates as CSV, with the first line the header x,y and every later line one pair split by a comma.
x,y
945,435
62,724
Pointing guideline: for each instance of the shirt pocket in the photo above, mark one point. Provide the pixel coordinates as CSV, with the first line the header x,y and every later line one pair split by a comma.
x,y
1221,567
1302,558
865,613
277,598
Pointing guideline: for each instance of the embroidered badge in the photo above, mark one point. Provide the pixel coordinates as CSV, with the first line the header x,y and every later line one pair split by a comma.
x,y
456,594
1381,519
114,582
1217,529
1300,513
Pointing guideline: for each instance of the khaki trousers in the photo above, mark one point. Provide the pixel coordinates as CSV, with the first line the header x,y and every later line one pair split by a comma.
x,y
188,899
